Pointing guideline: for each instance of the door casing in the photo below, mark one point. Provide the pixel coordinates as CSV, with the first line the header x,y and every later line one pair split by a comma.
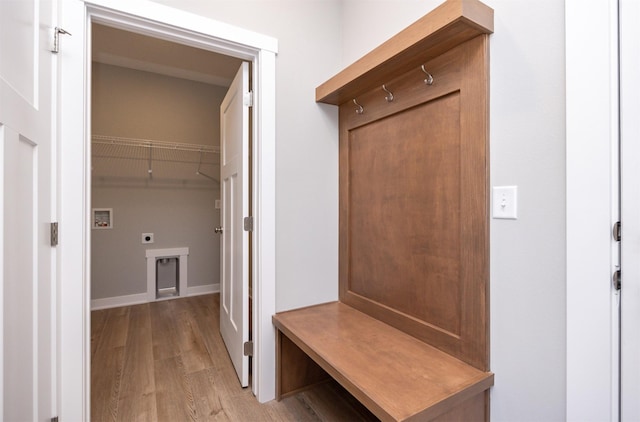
x,y
592,186
629,210
163,22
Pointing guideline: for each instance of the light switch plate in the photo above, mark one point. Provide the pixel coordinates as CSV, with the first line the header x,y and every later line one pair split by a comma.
x,y
505,202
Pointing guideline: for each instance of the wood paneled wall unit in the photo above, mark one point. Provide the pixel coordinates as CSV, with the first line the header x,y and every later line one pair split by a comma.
x,y
414,201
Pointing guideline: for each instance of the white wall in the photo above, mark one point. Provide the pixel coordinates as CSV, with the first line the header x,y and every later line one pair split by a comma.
x,y
177,218
528,260
308,36
528,320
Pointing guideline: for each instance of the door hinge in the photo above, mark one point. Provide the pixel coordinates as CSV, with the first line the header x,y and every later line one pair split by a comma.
x,y
56,39
617,231
617,280
54,419
248,99
54,234
248,348
248,224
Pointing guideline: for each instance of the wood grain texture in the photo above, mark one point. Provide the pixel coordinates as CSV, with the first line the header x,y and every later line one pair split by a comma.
x,y
468,410
449,25
393,374
414,204
138,371
175,400
137,398
297,371
323,403
405,211
108,337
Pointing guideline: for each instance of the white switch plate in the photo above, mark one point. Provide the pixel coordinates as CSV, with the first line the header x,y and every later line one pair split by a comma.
x,y
218,204
505,202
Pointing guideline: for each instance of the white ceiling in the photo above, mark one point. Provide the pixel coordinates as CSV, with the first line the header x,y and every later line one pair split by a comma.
x,y
127,49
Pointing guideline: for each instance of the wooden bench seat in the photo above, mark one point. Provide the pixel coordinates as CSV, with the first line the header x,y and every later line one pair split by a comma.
x,y
396,376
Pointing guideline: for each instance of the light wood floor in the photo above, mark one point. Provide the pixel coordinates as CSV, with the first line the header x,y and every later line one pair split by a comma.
x,y
166,361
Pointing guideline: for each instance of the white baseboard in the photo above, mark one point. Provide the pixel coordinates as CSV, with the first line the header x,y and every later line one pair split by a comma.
x,y
136,299
203,290
115,302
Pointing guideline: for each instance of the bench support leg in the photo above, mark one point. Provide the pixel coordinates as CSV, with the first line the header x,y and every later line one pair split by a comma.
x,y
295,370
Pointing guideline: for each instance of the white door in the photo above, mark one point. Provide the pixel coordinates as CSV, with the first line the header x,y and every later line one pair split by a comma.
x,y
234,180
27,185
630,209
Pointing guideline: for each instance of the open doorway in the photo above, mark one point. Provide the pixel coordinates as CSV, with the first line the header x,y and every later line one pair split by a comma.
x,y
155,172
155,178
75,177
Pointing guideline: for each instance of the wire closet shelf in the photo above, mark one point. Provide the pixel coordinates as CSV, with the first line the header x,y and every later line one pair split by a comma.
x,y
198,157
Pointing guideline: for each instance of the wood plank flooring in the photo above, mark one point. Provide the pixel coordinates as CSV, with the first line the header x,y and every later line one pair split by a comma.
x,y
165,361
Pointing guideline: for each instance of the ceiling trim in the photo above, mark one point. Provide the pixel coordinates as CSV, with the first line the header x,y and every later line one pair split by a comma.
x,y
146,66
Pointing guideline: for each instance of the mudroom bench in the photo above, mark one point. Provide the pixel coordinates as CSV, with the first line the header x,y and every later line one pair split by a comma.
x,y
409,336
396,376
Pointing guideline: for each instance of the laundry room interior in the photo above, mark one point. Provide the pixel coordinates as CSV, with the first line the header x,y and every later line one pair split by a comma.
x,y
155,185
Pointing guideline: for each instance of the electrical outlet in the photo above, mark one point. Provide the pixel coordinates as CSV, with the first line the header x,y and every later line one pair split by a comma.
x,y
147,237
505,202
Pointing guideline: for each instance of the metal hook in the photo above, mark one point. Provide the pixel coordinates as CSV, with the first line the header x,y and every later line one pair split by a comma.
x,y
389,97
429,80
360,109
56,38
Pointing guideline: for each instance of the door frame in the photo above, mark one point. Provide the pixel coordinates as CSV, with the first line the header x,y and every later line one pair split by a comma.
x,y
630,209
171,24
592,201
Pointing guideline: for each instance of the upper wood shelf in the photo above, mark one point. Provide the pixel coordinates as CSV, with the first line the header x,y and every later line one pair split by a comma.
x,y
444,28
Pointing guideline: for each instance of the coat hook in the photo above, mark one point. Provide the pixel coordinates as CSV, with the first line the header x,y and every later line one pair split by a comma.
x,y
429,79
389,97
360,109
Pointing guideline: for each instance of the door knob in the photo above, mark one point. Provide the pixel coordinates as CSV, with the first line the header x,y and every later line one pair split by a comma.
x,y
218,230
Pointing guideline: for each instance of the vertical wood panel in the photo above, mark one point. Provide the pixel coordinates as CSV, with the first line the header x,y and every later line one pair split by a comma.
x,y
414,204
300,373
404,212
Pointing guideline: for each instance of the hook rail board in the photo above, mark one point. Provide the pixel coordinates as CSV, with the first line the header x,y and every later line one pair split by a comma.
x,y
449,25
